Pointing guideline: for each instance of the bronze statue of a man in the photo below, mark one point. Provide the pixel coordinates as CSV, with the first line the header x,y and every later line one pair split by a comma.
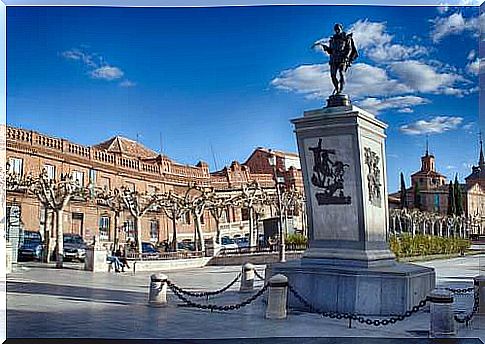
x,y
342,53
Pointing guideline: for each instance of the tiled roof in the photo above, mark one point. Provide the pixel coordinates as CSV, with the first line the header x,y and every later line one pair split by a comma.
x,y
122,145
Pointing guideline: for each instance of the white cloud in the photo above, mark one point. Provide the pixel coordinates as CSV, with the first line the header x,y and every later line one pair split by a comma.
x,y
127,83
90,60
97,67
107,73
442,8
474,66
468,126
436,125
395,52
314,82
424,78
454,24
402,103
471,55
373,39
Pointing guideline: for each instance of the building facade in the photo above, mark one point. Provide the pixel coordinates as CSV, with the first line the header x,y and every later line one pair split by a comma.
x,y
121,162
433,190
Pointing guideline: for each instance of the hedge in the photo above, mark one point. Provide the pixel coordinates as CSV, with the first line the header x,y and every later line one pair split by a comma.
x,y
405,245
296,239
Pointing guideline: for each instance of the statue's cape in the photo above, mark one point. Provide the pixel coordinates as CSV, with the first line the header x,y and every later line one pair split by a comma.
x,y
353,53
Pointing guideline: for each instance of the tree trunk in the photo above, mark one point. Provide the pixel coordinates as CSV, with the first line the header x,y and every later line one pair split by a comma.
x,y
195,235
47,236
174,234
198,227
138,234
286,224
115,233
218,230
251,225
60,239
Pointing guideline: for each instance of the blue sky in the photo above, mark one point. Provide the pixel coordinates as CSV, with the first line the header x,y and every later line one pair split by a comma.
x,y
232,78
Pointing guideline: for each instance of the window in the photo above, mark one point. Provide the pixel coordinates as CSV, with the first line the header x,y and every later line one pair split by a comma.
x,y
105,183
186,218
152,189
104,227
244,214
436,202
50,170
78,177
16,165
154,230
92,176
225,215
130,186
129,227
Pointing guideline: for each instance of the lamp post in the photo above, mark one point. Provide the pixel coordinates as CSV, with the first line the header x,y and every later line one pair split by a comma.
x,y
281,234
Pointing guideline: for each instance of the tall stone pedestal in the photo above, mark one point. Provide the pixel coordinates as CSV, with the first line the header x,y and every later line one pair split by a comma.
x,y
348,266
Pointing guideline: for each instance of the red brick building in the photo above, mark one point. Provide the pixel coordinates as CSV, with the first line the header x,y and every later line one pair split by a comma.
x,y
123,162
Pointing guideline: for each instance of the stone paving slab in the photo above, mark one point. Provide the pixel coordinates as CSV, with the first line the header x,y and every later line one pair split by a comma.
x,y
46,302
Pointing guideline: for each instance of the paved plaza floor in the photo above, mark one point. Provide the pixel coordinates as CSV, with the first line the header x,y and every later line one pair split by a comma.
x,y
46,302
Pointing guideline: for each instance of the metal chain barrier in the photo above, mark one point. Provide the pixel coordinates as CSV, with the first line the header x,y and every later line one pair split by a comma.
x,y
460,290
360,319
204,293
212,307
469,317
258,275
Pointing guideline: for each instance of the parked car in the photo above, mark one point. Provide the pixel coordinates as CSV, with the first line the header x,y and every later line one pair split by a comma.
x,y
148,249
228,243
74,247
32,246
242,242
186,246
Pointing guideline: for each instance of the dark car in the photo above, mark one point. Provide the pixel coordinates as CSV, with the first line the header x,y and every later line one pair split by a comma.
x,y
74,247
185,246
149,250
32,246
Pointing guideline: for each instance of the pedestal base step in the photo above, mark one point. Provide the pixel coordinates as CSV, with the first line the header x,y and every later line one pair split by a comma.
x,y
381,290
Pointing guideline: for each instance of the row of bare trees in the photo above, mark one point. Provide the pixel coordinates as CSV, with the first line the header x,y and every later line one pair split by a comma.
x,y
55,195
414,221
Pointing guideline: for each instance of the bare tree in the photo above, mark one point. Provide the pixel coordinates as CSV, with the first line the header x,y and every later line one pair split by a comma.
x,y
138,205
251,195
218,206
114,201
197,200
56,195
175,207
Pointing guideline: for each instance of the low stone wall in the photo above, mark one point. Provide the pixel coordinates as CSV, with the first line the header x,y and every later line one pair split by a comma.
x,y
168,264
253,258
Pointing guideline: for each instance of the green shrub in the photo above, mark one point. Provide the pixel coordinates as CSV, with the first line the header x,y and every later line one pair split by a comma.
x,y
405,245
296,238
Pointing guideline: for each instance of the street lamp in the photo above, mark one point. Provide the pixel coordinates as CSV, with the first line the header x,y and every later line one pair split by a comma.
x,y
281,234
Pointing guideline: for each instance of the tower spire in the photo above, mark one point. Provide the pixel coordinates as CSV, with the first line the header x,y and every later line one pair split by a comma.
x,y
481,162
427,145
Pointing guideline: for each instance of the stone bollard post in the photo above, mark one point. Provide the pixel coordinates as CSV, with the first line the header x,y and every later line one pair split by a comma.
x,y
8,252
157,296
442,321
247,278
278,288
479,282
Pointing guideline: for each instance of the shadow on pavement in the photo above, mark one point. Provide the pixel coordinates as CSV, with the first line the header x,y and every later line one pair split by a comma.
x,y
268,340
94,294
